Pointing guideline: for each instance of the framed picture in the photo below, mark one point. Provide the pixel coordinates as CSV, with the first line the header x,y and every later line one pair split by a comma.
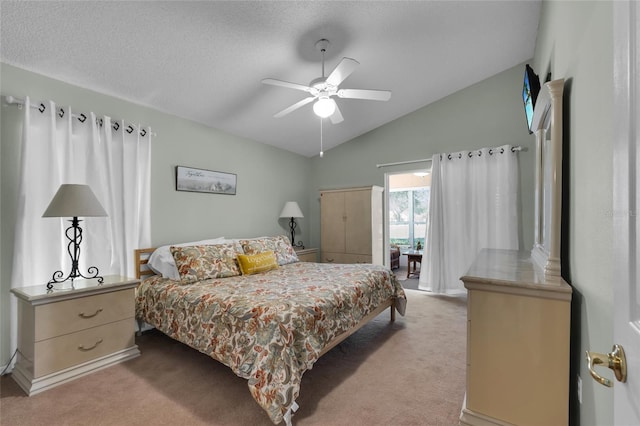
x,y
200,180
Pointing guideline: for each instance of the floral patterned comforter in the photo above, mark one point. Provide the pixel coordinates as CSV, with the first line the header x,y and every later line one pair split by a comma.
x,y
271,327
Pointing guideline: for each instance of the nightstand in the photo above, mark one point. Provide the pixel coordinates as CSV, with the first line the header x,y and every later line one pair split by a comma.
x,y
307,254
69,333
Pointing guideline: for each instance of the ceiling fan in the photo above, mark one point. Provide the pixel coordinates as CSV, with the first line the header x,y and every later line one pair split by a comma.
x,y
322,89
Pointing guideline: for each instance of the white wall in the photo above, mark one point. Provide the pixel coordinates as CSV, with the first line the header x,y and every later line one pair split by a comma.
x,y
575,42
267,177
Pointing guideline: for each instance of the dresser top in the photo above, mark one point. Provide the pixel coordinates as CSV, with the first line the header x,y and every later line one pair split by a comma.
x,y
513,271
307,250
40,294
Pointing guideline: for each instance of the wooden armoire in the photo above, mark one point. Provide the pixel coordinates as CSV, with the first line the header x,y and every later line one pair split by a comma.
x,y
351,225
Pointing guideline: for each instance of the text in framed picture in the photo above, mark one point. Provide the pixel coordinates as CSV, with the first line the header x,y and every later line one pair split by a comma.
x,y
201,180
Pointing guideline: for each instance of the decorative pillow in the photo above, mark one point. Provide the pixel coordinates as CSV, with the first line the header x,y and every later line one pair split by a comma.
x,y
162,262
255,263
196,263
279,245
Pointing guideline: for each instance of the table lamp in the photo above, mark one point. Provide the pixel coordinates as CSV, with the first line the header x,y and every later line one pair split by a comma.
x,y
292,210
74,200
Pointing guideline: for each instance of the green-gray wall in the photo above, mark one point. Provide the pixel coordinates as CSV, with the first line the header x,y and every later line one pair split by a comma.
x,y
489,113
575,42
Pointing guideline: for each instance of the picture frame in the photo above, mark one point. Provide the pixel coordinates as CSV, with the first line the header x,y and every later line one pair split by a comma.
x,y
191,179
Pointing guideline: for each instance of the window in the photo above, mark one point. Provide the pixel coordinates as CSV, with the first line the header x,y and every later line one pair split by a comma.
x,y
408,214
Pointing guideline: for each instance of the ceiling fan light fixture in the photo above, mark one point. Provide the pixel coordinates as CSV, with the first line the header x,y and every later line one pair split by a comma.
x,y
322,89
324,107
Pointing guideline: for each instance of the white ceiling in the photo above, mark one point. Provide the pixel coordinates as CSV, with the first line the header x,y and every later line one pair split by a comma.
x,y
205,60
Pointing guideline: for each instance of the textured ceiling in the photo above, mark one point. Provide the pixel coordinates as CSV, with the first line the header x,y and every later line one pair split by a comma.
x,y
204,61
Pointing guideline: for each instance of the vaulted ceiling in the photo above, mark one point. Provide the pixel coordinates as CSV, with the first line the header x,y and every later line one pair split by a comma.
x,y
205,60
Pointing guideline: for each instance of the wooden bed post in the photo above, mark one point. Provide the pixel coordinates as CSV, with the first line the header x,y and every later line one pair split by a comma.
x,y
140,261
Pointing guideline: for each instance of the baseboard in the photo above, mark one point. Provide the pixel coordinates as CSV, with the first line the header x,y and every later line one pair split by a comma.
x,y
5,367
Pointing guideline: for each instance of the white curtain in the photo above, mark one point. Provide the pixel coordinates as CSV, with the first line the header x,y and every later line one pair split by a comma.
x,y
113,158
473,205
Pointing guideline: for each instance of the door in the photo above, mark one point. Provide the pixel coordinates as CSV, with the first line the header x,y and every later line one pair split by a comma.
x,y
357,207
626,207
332,222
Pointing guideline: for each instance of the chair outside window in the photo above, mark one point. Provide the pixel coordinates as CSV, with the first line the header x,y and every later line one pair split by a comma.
x,y
395,257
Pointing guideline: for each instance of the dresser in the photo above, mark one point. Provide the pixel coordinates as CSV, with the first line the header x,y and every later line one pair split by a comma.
x,y
307,254
518,327
66,334
351,225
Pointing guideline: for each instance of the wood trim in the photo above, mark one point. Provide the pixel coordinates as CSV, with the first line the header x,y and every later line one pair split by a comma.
x,y
140,260
338,339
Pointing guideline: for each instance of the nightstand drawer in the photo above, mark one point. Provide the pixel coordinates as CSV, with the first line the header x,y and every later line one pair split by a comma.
x,y
72,349
307,255
56,319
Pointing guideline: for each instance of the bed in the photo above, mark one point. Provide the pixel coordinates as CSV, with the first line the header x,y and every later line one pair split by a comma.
x,y
269,324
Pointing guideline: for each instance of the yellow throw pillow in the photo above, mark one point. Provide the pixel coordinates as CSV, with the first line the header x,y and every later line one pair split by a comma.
x,y
256,263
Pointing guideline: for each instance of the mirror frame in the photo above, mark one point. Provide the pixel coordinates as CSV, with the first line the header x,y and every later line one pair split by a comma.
x,y
547,126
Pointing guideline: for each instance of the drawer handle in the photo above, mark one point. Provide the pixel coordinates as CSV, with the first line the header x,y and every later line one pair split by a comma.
x,y
82,348
85,316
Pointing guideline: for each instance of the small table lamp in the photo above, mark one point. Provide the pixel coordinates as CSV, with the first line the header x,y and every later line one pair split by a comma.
x,y
292,210
73,200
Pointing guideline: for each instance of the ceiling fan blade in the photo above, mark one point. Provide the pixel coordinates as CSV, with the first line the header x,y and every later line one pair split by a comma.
x,y
294,107
342,71
336,117
296,86
372,95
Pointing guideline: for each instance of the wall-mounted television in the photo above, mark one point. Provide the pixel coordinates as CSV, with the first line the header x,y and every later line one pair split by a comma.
x,y
530,90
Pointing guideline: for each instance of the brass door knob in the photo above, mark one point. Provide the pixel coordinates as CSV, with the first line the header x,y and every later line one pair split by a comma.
x,y
614,360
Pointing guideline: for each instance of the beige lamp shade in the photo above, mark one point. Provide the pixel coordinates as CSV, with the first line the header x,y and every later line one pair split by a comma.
x,y
291,209
73,200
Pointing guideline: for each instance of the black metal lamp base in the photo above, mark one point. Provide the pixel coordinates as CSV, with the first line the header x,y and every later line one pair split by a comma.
x,y
292,229
92,271
74,234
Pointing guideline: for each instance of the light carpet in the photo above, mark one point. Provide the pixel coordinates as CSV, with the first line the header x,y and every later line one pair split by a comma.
x,y
410,372
408,283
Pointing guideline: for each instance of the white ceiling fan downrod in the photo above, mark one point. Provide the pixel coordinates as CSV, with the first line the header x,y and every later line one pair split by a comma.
x,y
322,45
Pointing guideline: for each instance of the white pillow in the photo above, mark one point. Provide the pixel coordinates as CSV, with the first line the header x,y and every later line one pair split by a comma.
x,y
237,240
161,260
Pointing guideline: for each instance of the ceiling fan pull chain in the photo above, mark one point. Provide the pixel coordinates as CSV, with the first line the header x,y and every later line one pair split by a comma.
x,y
321,151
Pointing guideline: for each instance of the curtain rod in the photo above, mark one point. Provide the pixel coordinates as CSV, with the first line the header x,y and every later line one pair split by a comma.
x,y
398,163
41,107
428,160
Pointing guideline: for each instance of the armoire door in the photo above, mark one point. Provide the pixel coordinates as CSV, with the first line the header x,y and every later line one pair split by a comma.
x,y
332,222
358,222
